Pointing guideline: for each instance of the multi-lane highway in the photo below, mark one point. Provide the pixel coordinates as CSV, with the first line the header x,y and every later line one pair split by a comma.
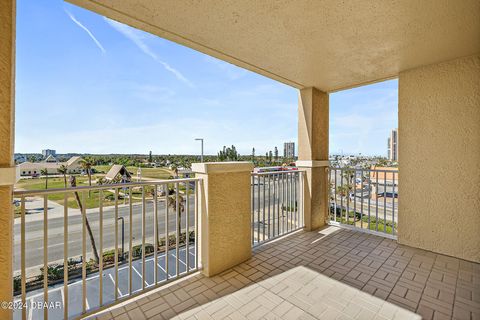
x,y
34,231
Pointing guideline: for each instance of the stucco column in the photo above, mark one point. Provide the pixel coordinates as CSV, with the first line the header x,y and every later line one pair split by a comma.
x,y
7,170
225,214
313,127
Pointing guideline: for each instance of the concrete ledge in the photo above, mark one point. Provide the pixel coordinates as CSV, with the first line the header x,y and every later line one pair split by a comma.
x,y
222,167
312,163
9,176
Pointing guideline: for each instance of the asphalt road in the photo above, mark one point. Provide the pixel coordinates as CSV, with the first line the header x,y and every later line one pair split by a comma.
x,y
34,232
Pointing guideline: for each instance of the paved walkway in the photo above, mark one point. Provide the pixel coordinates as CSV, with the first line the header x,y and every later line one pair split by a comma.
x,y
331,274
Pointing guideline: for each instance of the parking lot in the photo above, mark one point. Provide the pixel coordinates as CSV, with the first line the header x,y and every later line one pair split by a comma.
x,y
56,296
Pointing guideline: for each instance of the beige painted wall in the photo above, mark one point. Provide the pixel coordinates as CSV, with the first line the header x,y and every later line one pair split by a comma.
x,y
439,185
7,83
225,214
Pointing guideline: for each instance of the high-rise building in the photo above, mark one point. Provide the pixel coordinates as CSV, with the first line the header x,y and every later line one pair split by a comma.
x,y
393,145
289,150
49,152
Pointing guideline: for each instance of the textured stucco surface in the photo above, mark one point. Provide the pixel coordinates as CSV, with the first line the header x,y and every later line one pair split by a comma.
x,y
225,219
327,44
439,172
313,130
7,57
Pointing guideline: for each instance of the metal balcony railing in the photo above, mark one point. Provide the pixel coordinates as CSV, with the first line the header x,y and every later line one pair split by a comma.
x,y
277,204
364,199
88,248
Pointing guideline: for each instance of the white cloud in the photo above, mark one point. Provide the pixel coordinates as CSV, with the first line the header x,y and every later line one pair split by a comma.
x,y
78,23
137,38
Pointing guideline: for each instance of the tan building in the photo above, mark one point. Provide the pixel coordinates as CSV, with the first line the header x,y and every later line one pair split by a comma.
x,y
34,168
428,268
118,173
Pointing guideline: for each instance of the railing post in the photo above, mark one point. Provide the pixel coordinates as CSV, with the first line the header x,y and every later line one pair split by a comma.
x,y
225,214
7,169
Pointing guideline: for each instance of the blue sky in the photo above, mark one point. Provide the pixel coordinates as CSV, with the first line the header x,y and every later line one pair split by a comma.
x,y
88,84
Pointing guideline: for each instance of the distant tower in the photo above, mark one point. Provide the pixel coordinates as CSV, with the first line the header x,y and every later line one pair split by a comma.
x,y
289,150
393,145
49,152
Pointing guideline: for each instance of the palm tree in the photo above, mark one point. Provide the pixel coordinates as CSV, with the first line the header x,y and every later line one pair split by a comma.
x,y
174,168
44,172
172,203
73,184
63,170
87,166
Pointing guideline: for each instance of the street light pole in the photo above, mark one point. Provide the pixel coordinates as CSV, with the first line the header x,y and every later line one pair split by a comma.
x,y
201,140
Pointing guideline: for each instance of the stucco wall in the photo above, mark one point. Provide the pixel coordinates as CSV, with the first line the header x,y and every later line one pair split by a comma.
x,y
439,167
225,214
7,83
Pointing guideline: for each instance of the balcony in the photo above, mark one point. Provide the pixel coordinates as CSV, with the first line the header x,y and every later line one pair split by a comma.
x,y
328,274
352,269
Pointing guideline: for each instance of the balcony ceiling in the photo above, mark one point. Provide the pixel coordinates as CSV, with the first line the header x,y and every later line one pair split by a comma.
x,y
328,44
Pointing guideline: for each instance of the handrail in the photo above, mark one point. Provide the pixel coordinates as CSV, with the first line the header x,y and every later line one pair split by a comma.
x,y
102,187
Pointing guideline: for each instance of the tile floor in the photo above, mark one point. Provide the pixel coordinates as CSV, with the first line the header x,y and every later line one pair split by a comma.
x,y
329,274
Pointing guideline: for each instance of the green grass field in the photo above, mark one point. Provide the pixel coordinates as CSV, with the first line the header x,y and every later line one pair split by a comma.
x,y
92,199
153,173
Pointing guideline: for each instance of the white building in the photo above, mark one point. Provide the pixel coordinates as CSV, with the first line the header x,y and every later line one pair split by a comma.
x,y
33,168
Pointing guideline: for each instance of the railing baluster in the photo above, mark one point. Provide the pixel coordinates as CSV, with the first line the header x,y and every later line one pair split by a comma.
x,y
274,196
258,210
167,239
155,234
385,202
355,197
289,201
100,266
252,179
143,237
263,210
269,197
369,196
187,227
177,229
278,203
294,188
376,201
361,199
116,243
393,204
130,242
196,224
45,254
335,196
65,255
84,254
22,258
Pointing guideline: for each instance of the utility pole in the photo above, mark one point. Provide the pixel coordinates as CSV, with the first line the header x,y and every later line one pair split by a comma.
x,y
201,140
